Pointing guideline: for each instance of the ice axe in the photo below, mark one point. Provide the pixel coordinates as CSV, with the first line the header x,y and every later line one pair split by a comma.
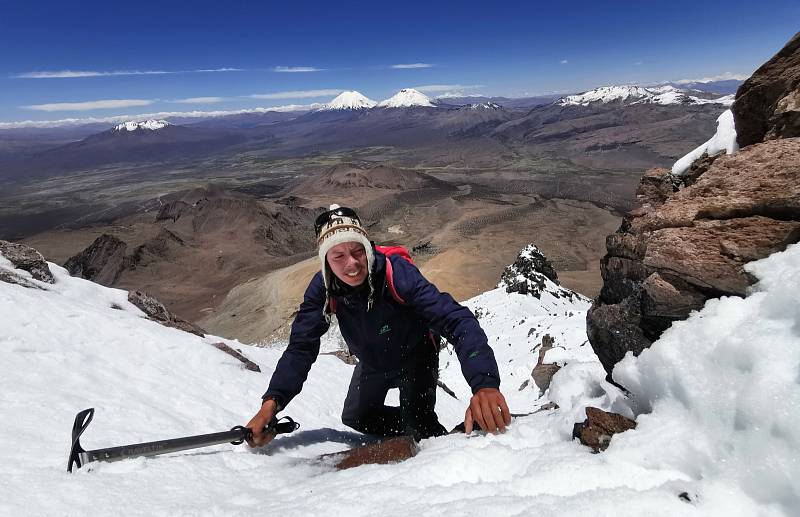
x,y
79,457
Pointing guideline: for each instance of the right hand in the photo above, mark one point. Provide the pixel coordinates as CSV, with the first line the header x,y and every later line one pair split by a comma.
x,y
259,422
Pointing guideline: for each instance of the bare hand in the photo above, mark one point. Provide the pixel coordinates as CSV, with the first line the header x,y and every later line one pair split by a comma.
x,y
489,409
259,422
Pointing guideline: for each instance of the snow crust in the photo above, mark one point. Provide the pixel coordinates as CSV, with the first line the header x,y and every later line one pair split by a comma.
x,y
723,140
717,402
405,98
633,94
150,125
350,100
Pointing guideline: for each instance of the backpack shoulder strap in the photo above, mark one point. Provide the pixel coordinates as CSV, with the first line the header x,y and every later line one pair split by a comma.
x,y
390,282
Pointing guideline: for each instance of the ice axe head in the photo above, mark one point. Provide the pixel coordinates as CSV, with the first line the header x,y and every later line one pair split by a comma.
x,y
82,421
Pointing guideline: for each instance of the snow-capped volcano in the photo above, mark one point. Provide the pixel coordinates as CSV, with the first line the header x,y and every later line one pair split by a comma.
x,y
350,100
150,125
405,98
633,94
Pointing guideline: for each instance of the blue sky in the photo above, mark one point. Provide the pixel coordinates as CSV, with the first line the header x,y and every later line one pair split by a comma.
x,y
127,58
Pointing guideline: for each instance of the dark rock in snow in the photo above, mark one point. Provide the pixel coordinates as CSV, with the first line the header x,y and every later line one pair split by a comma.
x,y
156,311
391,450
767,104
28,259
248,364
543,372
598,428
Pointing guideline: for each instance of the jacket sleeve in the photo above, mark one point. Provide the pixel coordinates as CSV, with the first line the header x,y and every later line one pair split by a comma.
x,y
308,326
451,320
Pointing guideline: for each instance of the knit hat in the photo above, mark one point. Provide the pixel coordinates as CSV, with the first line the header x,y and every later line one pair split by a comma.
x,y
339,228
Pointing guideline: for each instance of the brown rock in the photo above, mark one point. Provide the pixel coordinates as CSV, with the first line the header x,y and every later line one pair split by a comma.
x,y
156,311
543,372
766,106
28,259
598,428
101,262
655,187
666,261
248,364
392,450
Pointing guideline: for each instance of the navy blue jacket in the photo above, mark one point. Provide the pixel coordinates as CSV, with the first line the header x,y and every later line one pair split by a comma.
x,y
387,337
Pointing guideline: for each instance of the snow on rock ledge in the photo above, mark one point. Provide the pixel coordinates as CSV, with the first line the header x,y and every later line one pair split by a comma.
x,y
532,273
723,140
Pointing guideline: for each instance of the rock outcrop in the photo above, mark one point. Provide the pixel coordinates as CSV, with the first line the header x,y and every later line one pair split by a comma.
x,y
533,274
101,262
27,259
543,372
690,237
767,105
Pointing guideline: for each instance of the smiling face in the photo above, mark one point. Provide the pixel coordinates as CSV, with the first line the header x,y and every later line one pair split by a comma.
x,y
348,262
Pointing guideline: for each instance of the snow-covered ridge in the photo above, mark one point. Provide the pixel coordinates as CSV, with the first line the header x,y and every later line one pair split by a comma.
x,y
349,100
405,98
633,94
150,125
484,106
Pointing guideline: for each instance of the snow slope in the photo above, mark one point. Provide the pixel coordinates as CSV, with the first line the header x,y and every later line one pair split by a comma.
x,y
406,98
350,100
65,348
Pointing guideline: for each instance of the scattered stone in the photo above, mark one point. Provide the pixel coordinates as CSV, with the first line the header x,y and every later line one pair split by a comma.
x,y
550,406
156,311
28,259
446,389
248,364
598,428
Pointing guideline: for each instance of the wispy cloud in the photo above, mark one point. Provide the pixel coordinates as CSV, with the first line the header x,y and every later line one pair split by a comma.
x,y
727,76
638,63
413,65
438,88
90,105
67,74
200,100
297,94
160,115
564,61
296,69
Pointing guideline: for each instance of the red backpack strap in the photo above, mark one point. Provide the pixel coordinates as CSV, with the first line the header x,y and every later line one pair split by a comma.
x,y
390,282
331,305
395,250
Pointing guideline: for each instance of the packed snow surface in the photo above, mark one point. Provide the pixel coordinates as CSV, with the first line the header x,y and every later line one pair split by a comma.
x,y
632,94
150,125
717,401
723,140
405,98
351,100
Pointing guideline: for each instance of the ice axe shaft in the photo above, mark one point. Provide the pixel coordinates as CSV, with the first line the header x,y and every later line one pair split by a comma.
x,y
79,457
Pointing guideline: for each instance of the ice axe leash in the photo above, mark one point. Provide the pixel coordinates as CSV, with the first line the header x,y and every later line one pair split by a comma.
x,y
239,434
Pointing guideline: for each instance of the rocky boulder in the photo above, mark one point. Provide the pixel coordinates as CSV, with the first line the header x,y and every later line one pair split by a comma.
x,y
598,428
27,259
767,104
101,262
679,249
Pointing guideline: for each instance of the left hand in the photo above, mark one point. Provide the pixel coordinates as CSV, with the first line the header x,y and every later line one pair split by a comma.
x,y
488,408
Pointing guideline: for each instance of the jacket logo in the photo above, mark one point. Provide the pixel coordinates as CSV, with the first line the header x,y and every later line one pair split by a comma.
x,y
384,329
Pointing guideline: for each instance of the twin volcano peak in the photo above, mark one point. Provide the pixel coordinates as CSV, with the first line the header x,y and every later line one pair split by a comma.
x,y
349,100
146,125
405,98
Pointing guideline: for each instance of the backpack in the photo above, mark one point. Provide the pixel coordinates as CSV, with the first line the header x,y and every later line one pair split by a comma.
x,y
402,251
